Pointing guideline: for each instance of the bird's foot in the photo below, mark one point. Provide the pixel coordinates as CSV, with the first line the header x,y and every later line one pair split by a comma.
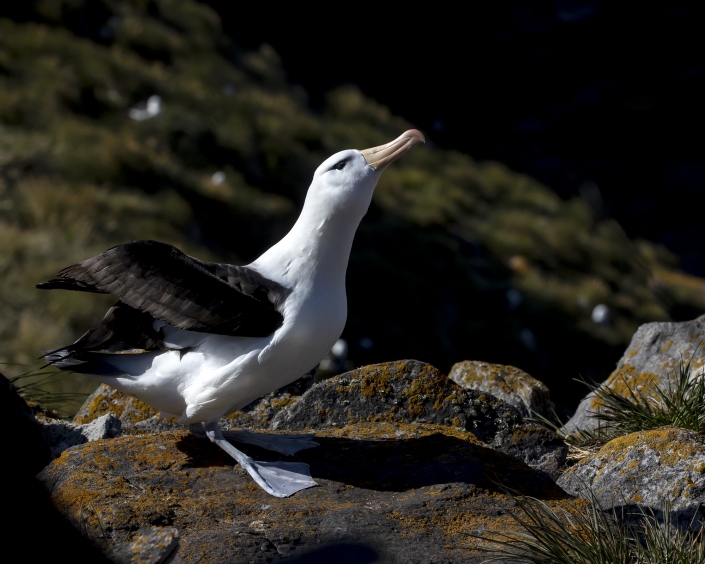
x,y
283,444
280,479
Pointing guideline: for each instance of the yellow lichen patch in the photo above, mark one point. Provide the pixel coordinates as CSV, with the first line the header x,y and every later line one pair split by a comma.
x,y
107,400
428,384
497,379
282,402
626,380
524,431
373,385
393,430
667,346
668,442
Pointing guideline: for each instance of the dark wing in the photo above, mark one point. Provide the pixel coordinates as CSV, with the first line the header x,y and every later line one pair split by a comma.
x,y
159,280
122,330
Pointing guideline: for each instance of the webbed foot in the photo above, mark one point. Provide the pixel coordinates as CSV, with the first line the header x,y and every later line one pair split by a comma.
x,y
280,479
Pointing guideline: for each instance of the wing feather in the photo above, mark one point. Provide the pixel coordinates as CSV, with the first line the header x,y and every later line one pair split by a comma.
x,y
180,290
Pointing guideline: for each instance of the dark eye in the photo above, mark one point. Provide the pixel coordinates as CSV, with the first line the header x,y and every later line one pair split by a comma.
x,y
339,166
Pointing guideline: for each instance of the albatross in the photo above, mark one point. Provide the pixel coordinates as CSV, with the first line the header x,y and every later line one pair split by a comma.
x,y
199,340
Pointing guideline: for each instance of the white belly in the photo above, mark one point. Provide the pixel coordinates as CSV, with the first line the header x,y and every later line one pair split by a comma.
x,y
221,374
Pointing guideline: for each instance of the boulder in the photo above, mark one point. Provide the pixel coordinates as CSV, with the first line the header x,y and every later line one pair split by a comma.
x,y
29,520
61,435
406,391
645,469
107,400
652,359
390,492
507,383
536,446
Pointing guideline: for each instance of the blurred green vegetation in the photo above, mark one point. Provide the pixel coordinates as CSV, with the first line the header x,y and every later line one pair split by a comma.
x,y
456,259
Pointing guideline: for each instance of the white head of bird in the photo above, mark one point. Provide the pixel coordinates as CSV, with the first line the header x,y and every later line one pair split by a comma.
x,y
337,200
344,182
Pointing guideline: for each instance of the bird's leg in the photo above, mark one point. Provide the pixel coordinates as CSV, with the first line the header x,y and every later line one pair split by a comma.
x,y
280,479
197,430
284,444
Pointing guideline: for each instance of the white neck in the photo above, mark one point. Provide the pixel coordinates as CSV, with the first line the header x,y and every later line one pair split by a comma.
x,y
317,248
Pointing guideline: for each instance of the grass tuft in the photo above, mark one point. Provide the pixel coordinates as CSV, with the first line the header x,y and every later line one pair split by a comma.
x,y
594,537
39,385
679,403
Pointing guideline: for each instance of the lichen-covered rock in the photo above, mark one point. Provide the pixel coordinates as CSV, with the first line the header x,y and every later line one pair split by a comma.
x,y
645,469
507,383
108,400
652,359
538,447
403,493
61,435
402,391
152,546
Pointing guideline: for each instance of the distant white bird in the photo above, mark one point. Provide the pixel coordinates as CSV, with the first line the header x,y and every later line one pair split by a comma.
x,y
199,340
600,314
146,110
218,178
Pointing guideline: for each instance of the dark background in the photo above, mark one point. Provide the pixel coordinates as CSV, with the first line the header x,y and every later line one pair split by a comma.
x,y
599,99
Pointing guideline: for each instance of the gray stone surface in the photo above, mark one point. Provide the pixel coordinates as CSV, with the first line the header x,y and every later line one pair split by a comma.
x,y
104,427
152,546
403,391
507,383
61,435
644,469
537,447
396,493
652,358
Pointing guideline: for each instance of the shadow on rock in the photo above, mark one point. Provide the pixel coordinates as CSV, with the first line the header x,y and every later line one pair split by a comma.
x,y
343,553
398,465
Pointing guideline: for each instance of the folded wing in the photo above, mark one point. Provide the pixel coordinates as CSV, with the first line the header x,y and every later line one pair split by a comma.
x,y
161,281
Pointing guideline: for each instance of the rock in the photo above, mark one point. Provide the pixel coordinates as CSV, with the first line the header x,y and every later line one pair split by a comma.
x,y
400,493
61,435
404,391
108,400
507,383
652,358
104,427
153,546
23,442
537,447
644,469
25,452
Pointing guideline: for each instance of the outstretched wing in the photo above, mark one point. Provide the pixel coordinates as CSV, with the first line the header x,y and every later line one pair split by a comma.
x,y
180,290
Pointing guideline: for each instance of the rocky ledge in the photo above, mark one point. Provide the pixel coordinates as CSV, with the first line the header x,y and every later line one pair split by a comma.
x,y
412,466
403,492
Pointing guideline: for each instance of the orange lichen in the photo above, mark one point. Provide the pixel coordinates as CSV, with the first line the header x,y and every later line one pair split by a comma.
x,y
667,442
625,381
107,400
373,385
